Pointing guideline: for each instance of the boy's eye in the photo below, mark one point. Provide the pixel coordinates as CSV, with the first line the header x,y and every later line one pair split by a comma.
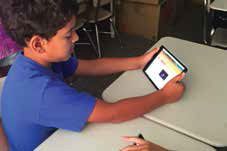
x,y
68,36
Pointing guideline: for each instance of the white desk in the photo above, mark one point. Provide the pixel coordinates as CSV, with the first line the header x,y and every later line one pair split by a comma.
x,y
108,137
202,111
219,5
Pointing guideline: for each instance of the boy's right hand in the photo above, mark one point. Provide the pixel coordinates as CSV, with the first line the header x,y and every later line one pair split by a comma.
x,y
174,89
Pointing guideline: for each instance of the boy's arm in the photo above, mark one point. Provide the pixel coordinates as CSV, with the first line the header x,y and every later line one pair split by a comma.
x,y
127,109
105,66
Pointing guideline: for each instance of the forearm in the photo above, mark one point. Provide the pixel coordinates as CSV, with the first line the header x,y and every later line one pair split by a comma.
x,y
106,66
131,108
126,109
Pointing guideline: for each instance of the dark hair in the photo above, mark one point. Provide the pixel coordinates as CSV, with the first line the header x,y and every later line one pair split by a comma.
x,y
23,19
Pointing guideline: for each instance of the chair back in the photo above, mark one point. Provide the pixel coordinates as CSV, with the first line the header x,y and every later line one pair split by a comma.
x,y
98,7
82,6
82,14
206,20
8,60
97,3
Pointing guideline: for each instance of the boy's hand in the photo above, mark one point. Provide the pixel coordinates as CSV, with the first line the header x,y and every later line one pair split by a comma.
x,y
141,145
143,59
174,89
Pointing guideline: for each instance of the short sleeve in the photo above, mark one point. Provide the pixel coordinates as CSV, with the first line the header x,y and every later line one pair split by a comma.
x,y
64,107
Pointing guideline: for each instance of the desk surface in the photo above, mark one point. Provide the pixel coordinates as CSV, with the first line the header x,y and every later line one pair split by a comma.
x,y
219,5
201,113
108,137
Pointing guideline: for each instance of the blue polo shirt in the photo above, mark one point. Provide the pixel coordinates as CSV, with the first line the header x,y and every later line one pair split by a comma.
x,y
36,101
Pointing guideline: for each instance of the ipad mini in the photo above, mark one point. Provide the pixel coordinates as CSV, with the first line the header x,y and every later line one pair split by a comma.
x,y
163,67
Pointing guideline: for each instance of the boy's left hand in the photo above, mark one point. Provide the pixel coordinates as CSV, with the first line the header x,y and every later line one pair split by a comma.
x,y
141,145
143,59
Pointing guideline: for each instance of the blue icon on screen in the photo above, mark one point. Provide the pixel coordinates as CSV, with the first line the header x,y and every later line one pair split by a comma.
x,y
163,74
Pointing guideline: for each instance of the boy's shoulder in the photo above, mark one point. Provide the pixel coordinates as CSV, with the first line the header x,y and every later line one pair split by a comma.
x,y
24,67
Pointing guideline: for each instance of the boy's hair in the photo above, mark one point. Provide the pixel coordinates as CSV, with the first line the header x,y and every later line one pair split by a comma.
x,y
23,19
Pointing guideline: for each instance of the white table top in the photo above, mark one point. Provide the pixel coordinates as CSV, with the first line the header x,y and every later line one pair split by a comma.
x,y
108,137
201,113
219,5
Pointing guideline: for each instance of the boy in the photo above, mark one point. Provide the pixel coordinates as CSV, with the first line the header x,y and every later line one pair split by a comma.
x,y
36,100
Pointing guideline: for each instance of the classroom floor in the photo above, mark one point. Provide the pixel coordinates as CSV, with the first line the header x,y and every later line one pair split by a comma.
x,y
188,26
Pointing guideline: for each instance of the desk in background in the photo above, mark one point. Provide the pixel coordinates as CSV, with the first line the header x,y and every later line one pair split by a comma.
x,y
220,5
201,113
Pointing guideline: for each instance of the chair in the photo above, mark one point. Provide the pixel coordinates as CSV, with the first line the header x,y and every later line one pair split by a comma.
x,y
207,28
98,13
8,60
219,38
81,22
215,23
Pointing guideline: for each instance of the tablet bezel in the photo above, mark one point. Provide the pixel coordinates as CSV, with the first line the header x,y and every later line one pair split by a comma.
x,y
154,57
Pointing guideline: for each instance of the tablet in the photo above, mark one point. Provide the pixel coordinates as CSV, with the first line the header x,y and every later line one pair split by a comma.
x,y
163,67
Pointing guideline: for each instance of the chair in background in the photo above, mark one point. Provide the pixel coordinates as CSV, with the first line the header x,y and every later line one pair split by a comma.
x,y
100,11
206,13
81,22
215,23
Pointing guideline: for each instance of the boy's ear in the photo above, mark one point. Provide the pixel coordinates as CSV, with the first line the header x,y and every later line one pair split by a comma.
x,y
38,43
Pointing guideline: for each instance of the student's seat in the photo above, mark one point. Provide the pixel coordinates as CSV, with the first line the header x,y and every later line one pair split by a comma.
x,y
215,23
81,22
100,11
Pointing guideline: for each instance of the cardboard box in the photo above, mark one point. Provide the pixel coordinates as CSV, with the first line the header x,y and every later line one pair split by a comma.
x,y
145,17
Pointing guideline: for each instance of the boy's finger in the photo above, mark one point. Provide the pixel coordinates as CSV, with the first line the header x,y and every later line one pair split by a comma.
x,y
135,148
134,139
128,148
155,50
178,77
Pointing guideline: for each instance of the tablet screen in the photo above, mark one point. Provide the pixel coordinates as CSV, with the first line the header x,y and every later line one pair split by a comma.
x,y
163,67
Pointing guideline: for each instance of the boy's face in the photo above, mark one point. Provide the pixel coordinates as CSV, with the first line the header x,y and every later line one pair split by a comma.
x,y
61,46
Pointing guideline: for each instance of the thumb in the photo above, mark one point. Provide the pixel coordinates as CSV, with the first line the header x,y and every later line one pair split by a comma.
x,y
179,77
154,51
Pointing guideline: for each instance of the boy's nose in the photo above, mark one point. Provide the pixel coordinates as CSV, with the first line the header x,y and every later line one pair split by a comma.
x,y
75,37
